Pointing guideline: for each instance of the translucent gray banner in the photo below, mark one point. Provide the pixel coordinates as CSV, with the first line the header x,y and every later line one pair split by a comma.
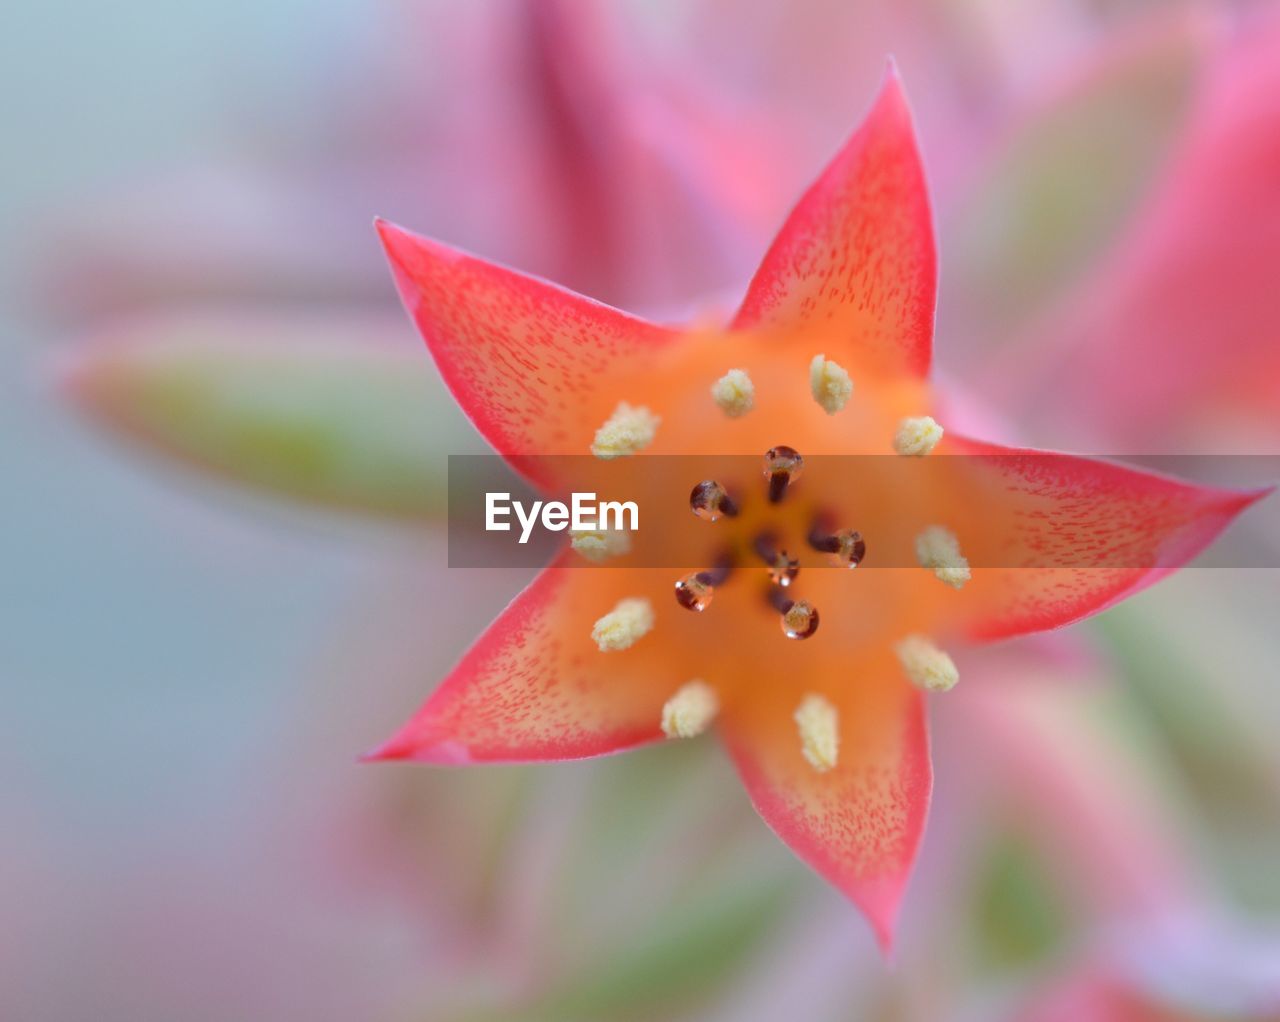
x,y
1022,510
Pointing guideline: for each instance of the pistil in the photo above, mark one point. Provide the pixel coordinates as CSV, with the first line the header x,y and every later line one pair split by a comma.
x,y
697,589
782,467
709,501
799,618
846,546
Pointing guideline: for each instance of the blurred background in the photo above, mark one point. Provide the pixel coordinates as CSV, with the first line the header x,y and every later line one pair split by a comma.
x,y
224,449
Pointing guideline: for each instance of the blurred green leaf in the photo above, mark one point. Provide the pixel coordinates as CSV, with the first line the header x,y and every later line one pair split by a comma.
x,y
1223,757
1019,915
339,410
665,892
1056,192
682,955
656,900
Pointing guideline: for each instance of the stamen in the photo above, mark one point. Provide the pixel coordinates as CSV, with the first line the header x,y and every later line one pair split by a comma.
x,y
829,383
916,437
819,725
846,547
782,467
624,626
709,501
938,550
926,665
598,545
690,711
628,430
734,393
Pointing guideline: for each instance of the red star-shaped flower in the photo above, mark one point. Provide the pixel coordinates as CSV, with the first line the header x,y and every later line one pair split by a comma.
x,y
829,354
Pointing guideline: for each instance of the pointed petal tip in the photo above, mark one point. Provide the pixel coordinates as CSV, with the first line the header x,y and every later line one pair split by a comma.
x,y
404,748
892,89
406,248
378,754
390,234
389,230
881,911
1233,501
392,749
886,936
1251,496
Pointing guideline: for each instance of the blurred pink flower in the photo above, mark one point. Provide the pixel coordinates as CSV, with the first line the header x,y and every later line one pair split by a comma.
x,y
569,157
1186,970
1169,343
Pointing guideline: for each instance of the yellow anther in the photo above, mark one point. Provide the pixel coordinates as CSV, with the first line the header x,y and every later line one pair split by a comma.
x,y
734,393
624,626
690,711
926,665
917,436
628,430
819,726
938,550
598,545
829,383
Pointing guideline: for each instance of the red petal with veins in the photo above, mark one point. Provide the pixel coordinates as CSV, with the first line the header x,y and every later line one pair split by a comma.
x,y
856,258
534,687
858,825
1093,532
523,357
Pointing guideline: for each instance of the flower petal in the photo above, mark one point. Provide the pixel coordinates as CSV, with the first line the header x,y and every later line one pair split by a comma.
x,y
859,824
524,357
1066,537
856,258
535,687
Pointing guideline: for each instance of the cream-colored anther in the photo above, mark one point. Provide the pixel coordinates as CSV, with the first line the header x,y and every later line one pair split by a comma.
x,y
624,626
629,429
598,545
829,383
926,665
690,711
917,436
734,393
938,550
819,726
